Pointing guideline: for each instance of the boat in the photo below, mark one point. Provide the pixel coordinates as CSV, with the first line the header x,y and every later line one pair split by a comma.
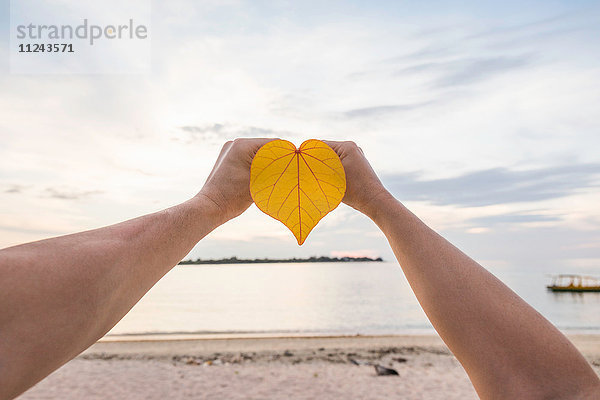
x,y
574,283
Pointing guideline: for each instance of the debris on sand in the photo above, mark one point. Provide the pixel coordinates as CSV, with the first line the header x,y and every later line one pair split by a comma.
x,y
382,371
359,362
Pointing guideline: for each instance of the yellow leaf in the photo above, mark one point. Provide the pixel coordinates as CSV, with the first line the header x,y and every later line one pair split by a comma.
x,y
297,186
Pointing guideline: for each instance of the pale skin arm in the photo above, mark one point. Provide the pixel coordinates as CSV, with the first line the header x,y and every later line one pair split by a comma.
x,y
58,296
507,348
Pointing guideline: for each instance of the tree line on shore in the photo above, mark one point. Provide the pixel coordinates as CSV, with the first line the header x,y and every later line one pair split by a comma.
x,y
235,260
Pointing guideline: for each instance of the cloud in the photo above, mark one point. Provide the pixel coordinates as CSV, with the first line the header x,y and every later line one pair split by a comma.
x,y
514,218
376,111
53,192
429,51
436,74
14,188
542,26
219,132
215,128
69,194
496,186
468,70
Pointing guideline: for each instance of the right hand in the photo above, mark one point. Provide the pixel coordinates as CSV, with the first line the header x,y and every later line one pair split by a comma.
x,y
364,190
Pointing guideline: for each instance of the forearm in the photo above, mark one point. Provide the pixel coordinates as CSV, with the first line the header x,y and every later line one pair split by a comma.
x,y
507,348
60,295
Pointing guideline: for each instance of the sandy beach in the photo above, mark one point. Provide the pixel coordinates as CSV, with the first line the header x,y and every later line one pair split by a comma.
x,y
186,367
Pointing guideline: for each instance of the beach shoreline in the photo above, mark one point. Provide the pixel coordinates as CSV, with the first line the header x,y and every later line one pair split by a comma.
x,y
261,366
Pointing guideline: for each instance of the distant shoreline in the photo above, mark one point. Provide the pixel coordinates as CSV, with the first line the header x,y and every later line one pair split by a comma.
x,y
235,260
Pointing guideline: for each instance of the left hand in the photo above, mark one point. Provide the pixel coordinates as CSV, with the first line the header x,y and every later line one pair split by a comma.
x,y
228,185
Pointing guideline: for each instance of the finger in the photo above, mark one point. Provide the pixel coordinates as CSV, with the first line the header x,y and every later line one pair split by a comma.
x,y
253,141
335,145
260,142
254,144
331,143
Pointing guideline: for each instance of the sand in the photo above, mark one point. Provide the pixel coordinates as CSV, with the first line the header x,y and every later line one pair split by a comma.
x,y
267,368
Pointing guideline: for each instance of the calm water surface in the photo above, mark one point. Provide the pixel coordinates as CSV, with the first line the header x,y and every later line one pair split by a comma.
x,y
348,298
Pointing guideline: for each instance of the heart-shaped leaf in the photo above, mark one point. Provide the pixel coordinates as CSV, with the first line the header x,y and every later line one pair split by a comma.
x,y
297,186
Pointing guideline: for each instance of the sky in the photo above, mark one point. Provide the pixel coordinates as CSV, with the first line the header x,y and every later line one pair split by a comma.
x,y
481,117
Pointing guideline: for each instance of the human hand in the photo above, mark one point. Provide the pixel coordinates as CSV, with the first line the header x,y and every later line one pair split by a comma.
x,y
228,185
364,190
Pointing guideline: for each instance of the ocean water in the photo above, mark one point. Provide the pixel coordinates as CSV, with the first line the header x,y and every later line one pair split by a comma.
x,y
321,298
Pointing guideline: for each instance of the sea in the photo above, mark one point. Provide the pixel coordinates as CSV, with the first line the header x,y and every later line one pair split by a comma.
x,y
355,298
